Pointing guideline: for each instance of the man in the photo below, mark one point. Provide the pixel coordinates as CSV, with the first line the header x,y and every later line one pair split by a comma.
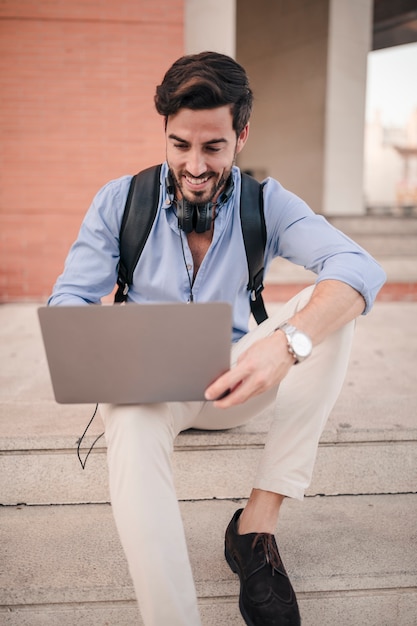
x,y
296,360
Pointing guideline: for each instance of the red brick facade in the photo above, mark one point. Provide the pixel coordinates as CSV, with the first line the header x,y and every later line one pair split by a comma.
x,y
77,81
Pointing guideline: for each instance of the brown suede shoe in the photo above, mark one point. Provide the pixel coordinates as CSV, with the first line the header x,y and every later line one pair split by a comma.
x,y
266,594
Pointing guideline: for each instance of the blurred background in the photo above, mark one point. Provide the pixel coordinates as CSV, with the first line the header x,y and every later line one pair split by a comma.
x,y
335,116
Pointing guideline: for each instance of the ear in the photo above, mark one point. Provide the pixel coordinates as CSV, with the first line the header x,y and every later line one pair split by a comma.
x,y
241,140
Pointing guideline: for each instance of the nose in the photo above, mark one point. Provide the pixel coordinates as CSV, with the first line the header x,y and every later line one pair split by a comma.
x,y
196,165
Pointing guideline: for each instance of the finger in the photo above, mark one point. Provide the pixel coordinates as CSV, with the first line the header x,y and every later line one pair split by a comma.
x,y
217,389
238,395
248,386
222,385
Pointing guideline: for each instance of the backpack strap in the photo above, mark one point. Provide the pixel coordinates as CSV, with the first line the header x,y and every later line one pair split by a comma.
x,y
254,236
139,215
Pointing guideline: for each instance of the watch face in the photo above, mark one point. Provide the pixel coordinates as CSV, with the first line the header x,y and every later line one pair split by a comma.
x,y
301,344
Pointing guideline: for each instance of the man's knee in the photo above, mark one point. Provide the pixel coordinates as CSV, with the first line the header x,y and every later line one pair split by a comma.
x,y
138,426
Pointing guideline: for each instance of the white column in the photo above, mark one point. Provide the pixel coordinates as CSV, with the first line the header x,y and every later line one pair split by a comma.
x,y
210,25
350,35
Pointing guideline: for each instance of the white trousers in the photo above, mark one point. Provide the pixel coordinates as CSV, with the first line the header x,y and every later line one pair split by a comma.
x,y
140,441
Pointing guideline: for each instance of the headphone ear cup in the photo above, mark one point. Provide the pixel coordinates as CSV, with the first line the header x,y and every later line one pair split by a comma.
x,y
194,217
203,215
185,212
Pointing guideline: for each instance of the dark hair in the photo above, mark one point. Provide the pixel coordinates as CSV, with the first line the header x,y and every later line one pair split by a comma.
x,y
205,81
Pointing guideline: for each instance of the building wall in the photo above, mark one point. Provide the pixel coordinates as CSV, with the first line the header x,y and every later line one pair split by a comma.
x,y
283,46
77,81
210,25
307,64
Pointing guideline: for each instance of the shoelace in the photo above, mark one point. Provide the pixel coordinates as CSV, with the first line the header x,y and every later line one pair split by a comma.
x,y
269,548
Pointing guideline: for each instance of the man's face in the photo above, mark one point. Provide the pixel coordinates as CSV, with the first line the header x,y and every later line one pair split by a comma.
x,y
201,147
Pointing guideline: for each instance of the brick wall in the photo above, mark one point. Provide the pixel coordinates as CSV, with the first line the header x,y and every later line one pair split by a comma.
x,y
77,81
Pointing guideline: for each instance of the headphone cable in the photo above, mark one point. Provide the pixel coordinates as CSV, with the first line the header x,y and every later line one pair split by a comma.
x,y
186,267
80,440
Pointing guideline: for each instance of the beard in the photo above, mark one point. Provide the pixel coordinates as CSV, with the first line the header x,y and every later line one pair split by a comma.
x,y
201,198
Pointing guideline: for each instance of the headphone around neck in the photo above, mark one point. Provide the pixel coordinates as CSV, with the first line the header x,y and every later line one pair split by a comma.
x,y
198,217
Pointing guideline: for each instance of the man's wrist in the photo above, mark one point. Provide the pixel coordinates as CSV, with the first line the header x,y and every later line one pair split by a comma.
x,y
299,344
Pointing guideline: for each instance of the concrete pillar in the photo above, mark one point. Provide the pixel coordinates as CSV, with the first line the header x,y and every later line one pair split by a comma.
x,y
210,25
307,65
283,46
349,41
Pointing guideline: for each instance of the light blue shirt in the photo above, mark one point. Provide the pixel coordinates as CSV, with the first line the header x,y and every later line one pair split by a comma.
x,y
162,274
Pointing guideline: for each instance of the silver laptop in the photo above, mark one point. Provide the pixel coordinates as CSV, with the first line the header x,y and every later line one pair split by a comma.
x,y
135,353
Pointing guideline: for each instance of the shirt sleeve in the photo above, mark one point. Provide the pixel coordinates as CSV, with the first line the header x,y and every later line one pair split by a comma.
x,y
299,235
90,270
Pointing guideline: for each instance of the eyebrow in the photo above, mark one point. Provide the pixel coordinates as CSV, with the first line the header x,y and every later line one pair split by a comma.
x,y
206,143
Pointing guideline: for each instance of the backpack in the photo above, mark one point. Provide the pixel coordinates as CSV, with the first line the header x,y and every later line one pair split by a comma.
x,y
139,214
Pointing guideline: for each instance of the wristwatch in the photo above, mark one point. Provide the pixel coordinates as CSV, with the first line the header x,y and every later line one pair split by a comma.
x,y
299,344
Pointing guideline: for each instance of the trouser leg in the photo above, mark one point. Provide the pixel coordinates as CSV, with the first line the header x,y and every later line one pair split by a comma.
x,y
305,400
301,405
146,511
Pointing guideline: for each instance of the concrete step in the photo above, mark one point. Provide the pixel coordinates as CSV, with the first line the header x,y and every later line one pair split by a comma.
x,y
369,445
351,560
392,245
349,466
382,235
375,224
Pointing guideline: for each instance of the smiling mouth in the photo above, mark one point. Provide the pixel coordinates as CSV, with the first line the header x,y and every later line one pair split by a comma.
x,y
196,181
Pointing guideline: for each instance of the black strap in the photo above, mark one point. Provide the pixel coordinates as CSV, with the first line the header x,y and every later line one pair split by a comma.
x,y
143,192
254,236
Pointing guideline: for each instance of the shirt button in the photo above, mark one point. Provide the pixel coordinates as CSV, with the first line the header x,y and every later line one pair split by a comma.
x,y
189,266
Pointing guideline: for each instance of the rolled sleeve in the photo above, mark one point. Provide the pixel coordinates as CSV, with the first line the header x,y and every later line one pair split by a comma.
x,y
299,235
357,269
